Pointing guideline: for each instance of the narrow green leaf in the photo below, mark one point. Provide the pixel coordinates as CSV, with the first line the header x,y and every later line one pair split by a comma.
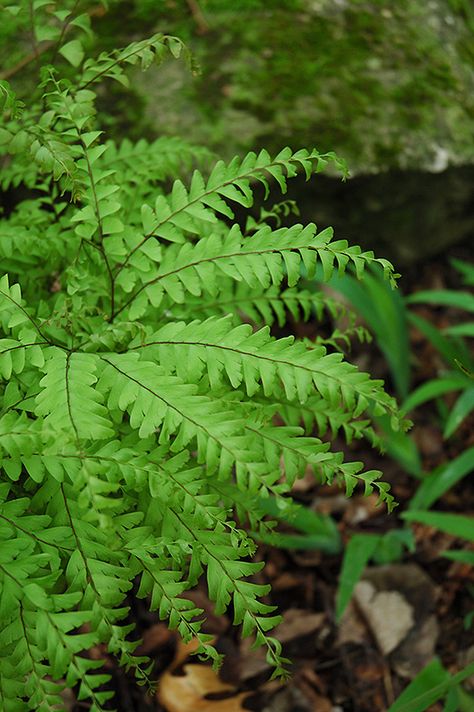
x,y
356,555
442,479
444,297
433,389
424,690
462,408
454,524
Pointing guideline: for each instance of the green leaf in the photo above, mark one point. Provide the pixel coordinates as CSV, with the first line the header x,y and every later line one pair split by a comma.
x,y
319,531
454,524
433,683
433,389
457,330
462,408
73,52
424,690
442,479
359,550
383,309
68,399
444,297
452,350
391,545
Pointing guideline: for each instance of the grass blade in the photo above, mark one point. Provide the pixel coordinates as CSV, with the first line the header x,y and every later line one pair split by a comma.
x,y
358,551
442,479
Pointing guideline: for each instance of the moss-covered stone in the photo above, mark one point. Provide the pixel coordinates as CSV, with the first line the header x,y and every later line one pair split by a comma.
x,y
384,84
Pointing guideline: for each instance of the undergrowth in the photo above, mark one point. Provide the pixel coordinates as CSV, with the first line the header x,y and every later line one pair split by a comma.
x,y
147,412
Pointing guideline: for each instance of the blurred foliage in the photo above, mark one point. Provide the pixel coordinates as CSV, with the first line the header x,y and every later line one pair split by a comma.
x,y
384,84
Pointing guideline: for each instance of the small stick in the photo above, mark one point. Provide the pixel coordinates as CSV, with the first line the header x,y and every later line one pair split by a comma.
x,y
198,16
42,48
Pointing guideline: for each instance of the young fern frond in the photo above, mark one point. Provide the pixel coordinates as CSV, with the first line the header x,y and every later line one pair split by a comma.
x,y
262,306
143,420
265,258
253,359
112,65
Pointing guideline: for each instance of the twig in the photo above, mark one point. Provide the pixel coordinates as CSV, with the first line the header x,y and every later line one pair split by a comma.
x,y
97,11
26,60
198,16
64,29
33,33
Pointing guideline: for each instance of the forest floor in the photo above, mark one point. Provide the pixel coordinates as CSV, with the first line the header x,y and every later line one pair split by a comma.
x,y
351,666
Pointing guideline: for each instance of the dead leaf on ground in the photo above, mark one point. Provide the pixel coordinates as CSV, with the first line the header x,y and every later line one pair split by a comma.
x,y
184,650
296,623
402,593
305,483
155,637
188,692
431,542
290,698
314,690
387,613
352,628
416,651
361,508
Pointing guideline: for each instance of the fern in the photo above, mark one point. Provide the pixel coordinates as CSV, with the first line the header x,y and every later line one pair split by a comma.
x,y
142,417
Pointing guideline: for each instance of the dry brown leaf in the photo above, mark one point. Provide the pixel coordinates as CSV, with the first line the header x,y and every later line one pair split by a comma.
x,y
352,628
187,693
215,625
361,508
388,614
184,650
154,637
296,623
416,650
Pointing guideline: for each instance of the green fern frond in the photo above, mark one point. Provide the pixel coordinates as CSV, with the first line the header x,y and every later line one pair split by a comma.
x,y
146,411
9,101
244,357
262,306
68,400
144,53
264,259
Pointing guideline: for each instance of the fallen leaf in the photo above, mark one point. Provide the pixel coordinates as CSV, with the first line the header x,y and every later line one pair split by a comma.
x,y
154,637
297,623
352,628
314,690
187,693
369,671
416,651
184,650
253,662
419,592
288,699
359,509
387,613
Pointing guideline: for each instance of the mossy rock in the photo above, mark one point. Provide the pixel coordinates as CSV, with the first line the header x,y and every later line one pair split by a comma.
x,y
383,84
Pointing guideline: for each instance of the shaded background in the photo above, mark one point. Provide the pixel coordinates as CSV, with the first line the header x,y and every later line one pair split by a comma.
x,y
387,85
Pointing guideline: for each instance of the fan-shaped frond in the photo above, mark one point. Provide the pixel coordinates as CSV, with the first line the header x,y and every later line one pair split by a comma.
x,y
67,399
243,357
265,259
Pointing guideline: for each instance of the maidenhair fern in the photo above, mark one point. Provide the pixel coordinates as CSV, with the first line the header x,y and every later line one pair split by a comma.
x,y
146,408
